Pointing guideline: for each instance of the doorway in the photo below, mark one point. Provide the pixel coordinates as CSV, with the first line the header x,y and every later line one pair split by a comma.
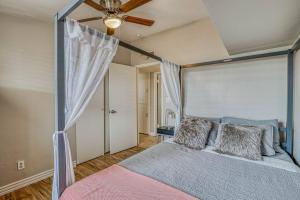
x,y
149,104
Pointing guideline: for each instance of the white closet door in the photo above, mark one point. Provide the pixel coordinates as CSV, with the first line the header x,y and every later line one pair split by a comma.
x,y
123,107
90,129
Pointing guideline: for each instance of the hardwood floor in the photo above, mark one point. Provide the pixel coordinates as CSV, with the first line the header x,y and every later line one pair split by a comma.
x,y
146,141
42,189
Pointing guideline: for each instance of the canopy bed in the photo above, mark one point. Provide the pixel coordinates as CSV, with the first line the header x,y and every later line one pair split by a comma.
x,y
83,56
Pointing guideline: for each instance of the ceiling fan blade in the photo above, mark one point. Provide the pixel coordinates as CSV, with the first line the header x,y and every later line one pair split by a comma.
x,y
110,31
89,19
132,4
137,20
94,5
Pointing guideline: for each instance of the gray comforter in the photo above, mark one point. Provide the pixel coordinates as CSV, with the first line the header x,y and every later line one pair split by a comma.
x,y
209,176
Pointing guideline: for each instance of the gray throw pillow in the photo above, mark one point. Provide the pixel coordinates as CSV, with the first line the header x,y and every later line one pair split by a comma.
x,y
273,123
213,131
193,133
267,140
242,141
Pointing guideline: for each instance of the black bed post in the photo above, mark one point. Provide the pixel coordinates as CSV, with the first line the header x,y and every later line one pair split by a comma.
x,y
60,99
290,104
181,91
59,88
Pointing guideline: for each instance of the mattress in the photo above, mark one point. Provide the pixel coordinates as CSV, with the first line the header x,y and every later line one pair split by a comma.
x,y
283,156
208,175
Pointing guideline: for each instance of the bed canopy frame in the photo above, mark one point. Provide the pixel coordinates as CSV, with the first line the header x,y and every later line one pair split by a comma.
x,y
59,20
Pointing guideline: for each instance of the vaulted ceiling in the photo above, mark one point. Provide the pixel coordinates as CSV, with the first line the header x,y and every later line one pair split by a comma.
x,y
166,13
244,25
249,25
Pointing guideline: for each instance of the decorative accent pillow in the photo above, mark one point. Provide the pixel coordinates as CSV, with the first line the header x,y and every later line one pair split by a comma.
x,y
213,131
242,141
273,123
267,140
193,133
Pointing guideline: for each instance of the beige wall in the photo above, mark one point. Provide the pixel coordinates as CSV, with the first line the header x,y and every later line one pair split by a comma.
x,y
196,42
297,108
26,98
26,101
123,56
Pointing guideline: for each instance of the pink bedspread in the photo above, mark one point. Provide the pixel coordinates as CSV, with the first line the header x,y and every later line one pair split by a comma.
x,y
118,183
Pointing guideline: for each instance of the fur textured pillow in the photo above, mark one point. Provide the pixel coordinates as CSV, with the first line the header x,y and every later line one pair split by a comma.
x,y
242,141
193,133
248,122
214,128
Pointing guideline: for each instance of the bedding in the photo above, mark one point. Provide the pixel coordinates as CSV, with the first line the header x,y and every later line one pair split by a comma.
x,y
116,183
193,132
283,156
171,171
213,133
209,175
214,129
267,140
243,141
273,123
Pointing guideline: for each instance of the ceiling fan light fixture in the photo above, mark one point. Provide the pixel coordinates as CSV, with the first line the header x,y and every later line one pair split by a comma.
x,y
112,21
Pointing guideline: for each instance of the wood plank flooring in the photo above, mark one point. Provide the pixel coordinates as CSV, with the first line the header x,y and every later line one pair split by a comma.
x,y
42,189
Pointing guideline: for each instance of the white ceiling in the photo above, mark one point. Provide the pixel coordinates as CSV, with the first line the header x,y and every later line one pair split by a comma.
x,y
244,25
39,9
248,25
166,13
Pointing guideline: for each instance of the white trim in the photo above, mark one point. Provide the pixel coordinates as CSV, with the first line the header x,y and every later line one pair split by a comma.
x,y
28,181
152,134
147,64
149,102
155,81
296,40
25,182
284,48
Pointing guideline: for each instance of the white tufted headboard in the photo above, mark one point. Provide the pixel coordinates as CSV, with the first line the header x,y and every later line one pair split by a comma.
x,y
255,89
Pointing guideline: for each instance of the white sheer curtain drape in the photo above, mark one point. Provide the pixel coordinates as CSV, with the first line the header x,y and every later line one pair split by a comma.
x,y
170,78
88,54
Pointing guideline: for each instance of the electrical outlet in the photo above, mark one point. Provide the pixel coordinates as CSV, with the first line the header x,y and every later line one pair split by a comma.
x,y
20,164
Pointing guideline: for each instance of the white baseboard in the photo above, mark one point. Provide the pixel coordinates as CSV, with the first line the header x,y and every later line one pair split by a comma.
x,y
27,181
74,163
152,134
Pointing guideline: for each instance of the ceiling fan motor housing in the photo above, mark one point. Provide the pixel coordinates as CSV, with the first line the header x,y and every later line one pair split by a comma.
x,y
111,5
111,10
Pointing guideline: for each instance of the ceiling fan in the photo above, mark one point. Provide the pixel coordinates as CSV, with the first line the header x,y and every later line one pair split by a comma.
x,y
113,9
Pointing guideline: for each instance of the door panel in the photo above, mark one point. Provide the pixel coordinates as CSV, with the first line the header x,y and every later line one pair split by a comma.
x,y
90,128
122,100
143,118
143,88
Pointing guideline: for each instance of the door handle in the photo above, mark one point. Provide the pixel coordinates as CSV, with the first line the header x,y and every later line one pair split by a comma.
x,y
112,111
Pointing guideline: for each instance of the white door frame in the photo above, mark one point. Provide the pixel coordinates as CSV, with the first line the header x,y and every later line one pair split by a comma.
x,y
155,81
149,104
